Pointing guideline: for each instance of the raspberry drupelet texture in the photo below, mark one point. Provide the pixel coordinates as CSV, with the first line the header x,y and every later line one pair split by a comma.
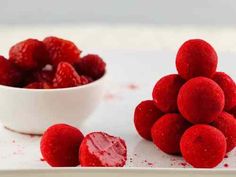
x,y
203,146
195,58
226,123
10,75
61,50
38,85
228,86
167,132
60,145
233,111
91,65
66,76
201,100
166,91
99,149
29,54
145,115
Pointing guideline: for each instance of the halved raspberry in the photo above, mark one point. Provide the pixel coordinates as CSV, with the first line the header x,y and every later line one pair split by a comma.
x,y
10,75
61,50
91,65
66,76
29,54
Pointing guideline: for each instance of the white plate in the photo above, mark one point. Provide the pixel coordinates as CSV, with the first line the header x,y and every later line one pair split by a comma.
x,y
132,75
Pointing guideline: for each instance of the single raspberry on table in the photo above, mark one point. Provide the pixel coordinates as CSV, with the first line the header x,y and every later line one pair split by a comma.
x,y
10,75
66,76
91,65
98,149
61,50
38,85
60,145
29,54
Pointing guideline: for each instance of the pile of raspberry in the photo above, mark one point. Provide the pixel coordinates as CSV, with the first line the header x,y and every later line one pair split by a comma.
x,y
48,64
65,146
192,113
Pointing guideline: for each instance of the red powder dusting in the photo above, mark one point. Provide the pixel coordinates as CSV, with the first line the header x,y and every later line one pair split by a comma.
x,y
226,165
13,141
145,160
150,164
226,156
132,86
183,164
42,159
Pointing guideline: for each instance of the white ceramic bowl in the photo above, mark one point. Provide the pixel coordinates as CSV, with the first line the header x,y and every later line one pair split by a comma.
x,y
32,111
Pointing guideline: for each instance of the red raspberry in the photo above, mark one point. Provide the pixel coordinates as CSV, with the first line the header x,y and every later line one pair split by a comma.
x,y
29,54
61,50
226,123
85,80
228,86
195,58
145,115
38,85
167,132
99,149
91,65
166,91
10,75
66,76
203,146
60,145
233,111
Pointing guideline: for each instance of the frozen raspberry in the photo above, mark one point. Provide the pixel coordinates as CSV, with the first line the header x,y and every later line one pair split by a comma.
x,y
145,115
60,145
167,132
228,86
99,149
201,100
203,146
66,76
166,91
226,123
29,54
61,50
233,111
85,80
10,75
91,65
38,85
195,58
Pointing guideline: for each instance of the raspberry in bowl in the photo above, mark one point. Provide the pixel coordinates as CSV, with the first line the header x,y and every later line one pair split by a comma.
x,y
48,82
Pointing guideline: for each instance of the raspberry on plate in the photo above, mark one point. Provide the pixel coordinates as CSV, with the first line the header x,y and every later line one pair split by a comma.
x,y
60,145
166,91
10,75
91,65
145,115
99,149
201,100
66,76
38,85
203,146
195,58
61,50
226,123
167,132
29,54
228,86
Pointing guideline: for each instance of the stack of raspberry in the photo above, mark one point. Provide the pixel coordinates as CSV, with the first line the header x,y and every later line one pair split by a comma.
x,y
51,63
192,112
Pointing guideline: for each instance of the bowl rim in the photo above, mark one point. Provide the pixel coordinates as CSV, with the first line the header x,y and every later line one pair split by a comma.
x,y
94,83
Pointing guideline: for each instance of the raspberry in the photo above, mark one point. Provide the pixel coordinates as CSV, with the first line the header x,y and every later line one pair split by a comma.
x,y
195,58
85,79
167,132
38,85
39,76
166,91
226,123
145,115
203,146
61,50
29,54
60,145
10,75
99,149
233,111
91,65
66,76
201,100
228,86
